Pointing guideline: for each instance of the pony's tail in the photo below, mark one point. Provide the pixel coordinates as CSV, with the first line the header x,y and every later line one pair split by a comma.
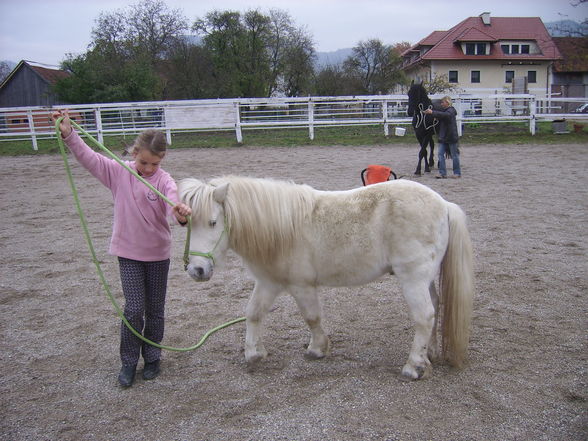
x,y
457,289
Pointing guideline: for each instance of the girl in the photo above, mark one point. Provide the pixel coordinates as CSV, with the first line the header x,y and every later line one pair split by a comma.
x,y
141,238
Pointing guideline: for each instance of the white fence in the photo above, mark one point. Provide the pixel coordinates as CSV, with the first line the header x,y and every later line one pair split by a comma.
x,y
34,123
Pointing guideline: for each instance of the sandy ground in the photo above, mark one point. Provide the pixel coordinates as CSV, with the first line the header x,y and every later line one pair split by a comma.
x,y
527,374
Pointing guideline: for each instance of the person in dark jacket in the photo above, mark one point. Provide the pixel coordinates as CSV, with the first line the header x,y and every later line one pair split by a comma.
x,y
448,138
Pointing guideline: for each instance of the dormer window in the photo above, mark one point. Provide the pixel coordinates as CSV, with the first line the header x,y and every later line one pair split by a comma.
x,y
515,48
475,48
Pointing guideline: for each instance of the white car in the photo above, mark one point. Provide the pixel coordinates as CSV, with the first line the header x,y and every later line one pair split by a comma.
x,y
582,109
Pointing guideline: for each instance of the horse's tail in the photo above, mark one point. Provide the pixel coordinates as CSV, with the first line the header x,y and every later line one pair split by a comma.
x,y
457,289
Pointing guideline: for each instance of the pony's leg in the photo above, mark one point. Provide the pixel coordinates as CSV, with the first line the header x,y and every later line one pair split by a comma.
x,y
422,312
432,154
433,351
309,305
262,299
422,155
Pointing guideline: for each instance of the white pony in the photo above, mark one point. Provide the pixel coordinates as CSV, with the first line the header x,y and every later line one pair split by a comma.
x,y
294,238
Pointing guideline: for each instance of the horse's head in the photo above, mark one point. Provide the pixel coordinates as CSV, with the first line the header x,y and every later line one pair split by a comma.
x,y
417,94
208,240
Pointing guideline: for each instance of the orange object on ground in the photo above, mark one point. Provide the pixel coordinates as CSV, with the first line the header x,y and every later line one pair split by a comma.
x,y
376,173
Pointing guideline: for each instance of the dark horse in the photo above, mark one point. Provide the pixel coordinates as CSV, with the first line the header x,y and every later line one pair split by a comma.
x,y
424,125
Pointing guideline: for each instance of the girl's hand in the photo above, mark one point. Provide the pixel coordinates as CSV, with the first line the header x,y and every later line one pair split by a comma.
x,y
65,125
181,212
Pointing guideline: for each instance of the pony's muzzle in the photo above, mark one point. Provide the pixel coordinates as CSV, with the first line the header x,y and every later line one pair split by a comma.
x,y
200,271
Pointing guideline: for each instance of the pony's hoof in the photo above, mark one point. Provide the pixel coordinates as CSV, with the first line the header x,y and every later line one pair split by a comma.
x,y
314,355
410,373
417,173
320,352
255,357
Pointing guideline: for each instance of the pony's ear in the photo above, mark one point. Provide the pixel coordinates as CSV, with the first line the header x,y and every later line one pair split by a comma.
x,y
220,193
412,83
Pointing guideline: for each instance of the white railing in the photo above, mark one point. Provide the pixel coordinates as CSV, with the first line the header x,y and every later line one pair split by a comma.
x,y
34,123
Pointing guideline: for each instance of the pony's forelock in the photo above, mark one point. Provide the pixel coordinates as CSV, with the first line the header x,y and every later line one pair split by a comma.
x,y
264,215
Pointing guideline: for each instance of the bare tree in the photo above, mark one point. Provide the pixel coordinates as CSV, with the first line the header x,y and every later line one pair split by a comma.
x,y
4,70
154,28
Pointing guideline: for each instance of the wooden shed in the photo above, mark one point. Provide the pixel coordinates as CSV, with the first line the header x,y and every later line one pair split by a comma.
x,y
30,84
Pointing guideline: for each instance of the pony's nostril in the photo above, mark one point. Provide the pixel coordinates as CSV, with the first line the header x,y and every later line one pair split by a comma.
x,y
199,271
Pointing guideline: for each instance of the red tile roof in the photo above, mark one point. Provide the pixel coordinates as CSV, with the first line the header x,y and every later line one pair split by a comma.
x,y
445,43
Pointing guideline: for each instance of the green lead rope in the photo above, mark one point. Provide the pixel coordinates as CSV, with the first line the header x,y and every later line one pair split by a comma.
x,y
91,246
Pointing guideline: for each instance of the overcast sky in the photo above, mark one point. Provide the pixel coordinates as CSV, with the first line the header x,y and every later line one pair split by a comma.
x,y
46,30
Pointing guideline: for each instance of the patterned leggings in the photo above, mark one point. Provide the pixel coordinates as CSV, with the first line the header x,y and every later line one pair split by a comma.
x,y
144,286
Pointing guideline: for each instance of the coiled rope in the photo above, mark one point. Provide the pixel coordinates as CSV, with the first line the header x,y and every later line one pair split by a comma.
x,y
91,245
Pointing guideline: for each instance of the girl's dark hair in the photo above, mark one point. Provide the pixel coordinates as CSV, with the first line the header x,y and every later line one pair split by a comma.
x,y
152,140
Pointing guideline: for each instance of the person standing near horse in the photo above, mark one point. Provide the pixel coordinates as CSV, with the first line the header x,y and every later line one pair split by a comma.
x,y
448,137
141,238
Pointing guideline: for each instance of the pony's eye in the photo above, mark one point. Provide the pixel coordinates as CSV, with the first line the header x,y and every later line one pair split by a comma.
x,y
212,223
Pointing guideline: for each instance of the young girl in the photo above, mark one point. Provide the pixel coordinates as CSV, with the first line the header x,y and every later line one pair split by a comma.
x,y
141,238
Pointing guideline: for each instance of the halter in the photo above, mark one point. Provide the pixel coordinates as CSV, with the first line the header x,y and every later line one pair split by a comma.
x,y
209,255
422,118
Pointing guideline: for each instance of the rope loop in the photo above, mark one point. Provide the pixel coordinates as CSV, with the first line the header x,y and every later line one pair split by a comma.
x,y
88,238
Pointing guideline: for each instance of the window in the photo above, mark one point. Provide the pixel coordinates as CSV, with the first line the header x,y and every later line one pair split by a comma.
x,y
509,76
532,76
475,77
475,48
452,76
515,49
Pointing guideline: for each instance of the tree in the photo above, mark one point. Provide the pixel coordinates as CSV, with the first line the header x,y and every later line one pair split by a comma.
x,y
255,55
123,61
189,72
373,67
4,70
153,29
331,81
298,64
439,84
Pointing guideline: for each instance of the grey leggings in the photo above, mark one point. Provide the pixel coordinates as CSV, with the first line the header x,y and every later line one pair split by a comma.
x,y
144,286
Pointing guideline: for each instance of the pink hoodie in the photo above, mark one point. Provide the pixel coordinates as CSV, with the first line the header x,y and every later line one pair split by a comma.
x,y
141,229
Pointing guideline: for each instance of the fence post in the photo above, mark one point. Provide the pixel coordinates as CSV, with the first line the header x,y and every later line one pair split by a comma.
x,y
98,119
310,119
459,117
238,131
32,129
385,117
532,120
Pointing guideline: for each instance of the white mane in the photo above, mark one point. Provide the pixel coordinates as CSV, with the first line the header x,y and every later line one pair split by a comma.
x,y
264,215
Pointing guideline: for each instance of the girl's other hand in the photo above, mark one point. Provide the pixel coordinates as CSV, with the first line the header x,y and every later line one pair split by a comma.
x,y
65,125
182,211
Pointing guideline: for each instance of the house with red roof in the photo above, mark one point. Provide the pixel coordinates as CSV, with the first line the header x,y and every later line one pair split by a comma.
x,y
487,55
30,84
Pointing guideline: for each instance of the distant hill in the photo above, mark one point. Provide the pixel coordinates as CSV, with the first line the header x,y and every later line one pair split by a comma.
x,y
324,59
566,28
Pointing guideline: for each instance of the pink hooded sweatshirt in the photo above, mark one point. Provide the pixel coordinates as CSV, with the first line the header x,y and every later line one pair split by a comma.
x,y
141,229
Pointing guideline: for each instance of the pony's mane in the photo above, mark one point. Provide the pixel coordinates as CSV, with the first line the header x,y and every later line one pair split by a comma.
x,y
417,94
264,215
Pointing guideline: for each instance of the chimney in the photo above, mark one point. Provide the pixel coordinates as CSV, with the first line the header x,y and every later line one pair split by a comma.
x,y
485,16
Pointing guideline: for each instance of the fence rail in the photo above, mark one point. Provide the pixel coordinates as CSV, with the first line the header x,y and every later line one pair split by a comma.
x,y
34,123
